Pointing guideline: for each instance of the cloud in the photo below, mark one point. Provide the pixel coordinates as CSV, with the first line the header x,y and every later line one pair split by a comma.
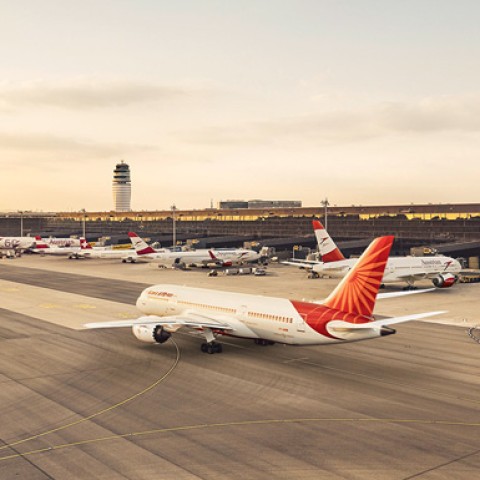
x,y
428,116
86,95
44,144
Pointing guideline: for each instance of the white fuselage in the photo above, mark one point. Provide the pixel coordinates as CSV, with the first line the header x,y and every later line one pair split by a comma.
x,y
398,269
61,242
201,256
108,253
236,255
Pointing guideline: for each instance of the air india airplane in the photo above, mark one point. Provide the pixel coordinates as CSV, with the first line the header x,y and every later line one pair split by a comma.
x,y
441,270
345,316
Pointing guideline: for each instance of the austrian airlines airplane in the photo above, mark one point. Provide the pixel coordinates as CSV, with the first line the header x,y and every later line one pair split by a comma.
x,y
345,316
439,269
224,257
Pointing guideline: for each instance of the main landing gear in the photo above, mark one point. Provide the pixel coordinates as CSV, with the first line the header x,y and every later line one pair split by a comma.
x,y
261,341
211,347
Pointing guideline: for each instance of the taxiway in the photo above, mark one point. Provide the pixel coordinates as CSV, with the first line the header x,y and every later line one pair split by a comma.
x,y
83,404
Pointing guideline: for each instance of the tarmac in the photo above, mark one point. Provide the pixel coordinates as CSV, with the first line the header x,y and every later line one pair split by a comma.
x,y
82,404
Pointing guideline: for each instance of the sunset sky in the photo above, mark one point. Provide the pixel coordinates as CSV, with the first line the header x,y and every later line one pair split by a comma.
x,y
361,101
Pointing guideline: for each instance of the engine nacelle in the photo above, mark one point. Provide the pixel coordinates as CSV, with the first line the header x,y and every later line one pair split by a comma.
x,y
444,280
151,333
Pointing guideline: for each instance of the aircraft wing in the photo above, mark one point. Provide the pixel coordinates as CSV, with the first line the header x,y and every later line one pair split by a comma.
x,y
415,276
187,320
303,264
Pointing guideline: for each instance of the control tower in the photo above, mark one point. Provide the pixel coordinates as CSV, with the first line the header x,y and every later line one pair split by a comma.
x,y
122,188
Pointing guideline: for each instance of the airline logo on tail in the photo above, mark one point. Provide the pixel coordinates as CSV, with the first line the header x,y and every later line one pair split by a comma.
x,y
328,250
84,245
357,292
40,243
140,246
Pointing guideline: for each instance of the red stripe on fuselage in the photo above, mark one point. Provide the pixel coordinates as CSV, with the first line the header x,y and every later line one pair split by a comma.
x,y
317,316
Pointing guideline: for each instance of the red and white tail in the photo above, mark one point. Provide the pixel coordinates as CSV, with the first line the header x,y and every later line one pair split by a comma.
x,y
357,291
84,245
40,242
328,250
140,245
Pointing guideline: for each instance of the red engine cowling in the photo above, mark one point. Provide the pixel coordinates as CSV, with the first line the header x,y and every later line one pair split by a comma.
x,y
151,333
444,280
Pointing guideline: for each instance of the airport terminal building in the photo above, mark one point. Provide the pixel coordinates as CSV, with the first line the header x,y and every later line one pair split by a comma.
x,y
439,224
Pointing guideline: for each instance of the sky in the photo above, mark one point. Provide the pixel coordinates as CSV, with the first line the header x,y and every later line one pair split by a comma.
x,y
363,102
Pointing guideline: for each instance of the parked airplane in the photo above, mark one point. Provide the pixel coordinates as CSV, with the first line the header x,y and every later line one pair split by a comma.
x,y
345,316
224,257
87,251
13,246
442,271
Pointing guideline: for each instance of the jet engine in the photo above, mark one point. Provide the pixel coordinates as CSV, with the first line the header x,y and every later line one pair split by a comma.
x,y
444,280
151,333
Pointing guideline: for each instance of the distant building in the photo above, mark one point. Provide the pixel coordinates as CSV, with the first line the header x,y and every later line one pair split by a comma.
x,y
274,203
259,204
122,188
233,204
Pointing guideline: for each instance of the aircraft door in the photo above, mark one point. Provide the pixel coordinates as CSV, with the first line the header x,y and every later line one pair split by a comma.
x,y
242,312
172,305
301,323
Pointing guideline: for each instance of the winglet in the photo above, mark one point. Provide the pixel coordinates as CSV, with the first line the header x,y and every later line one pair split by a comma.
x,y
328,250
357,291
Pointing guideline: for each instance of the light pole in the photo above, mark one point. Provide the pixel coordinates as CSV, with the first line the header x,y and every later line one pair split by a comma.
x,y
174,228
325,204
21,222
83,222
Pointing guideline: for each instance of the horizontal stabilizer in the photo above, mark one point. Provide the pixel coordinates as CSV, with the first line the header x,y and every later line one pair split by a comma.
x,y
341,325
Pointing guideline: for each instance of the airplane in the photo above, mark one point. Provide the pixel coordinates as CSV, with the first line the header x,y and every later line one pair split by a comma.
x,y
14,246
43,249
87,251
442,271
62,247
223,257
345,316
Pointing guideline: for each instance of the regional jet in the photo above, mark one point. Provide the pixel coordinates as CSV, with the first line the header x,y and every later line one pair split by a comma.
x,y
345,316
442,271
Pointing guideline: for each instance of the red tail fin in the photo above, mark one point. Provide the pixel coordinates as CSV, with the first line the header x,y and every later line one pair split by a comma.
x,y
357,292
84,245
328,250
140,246
39,243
